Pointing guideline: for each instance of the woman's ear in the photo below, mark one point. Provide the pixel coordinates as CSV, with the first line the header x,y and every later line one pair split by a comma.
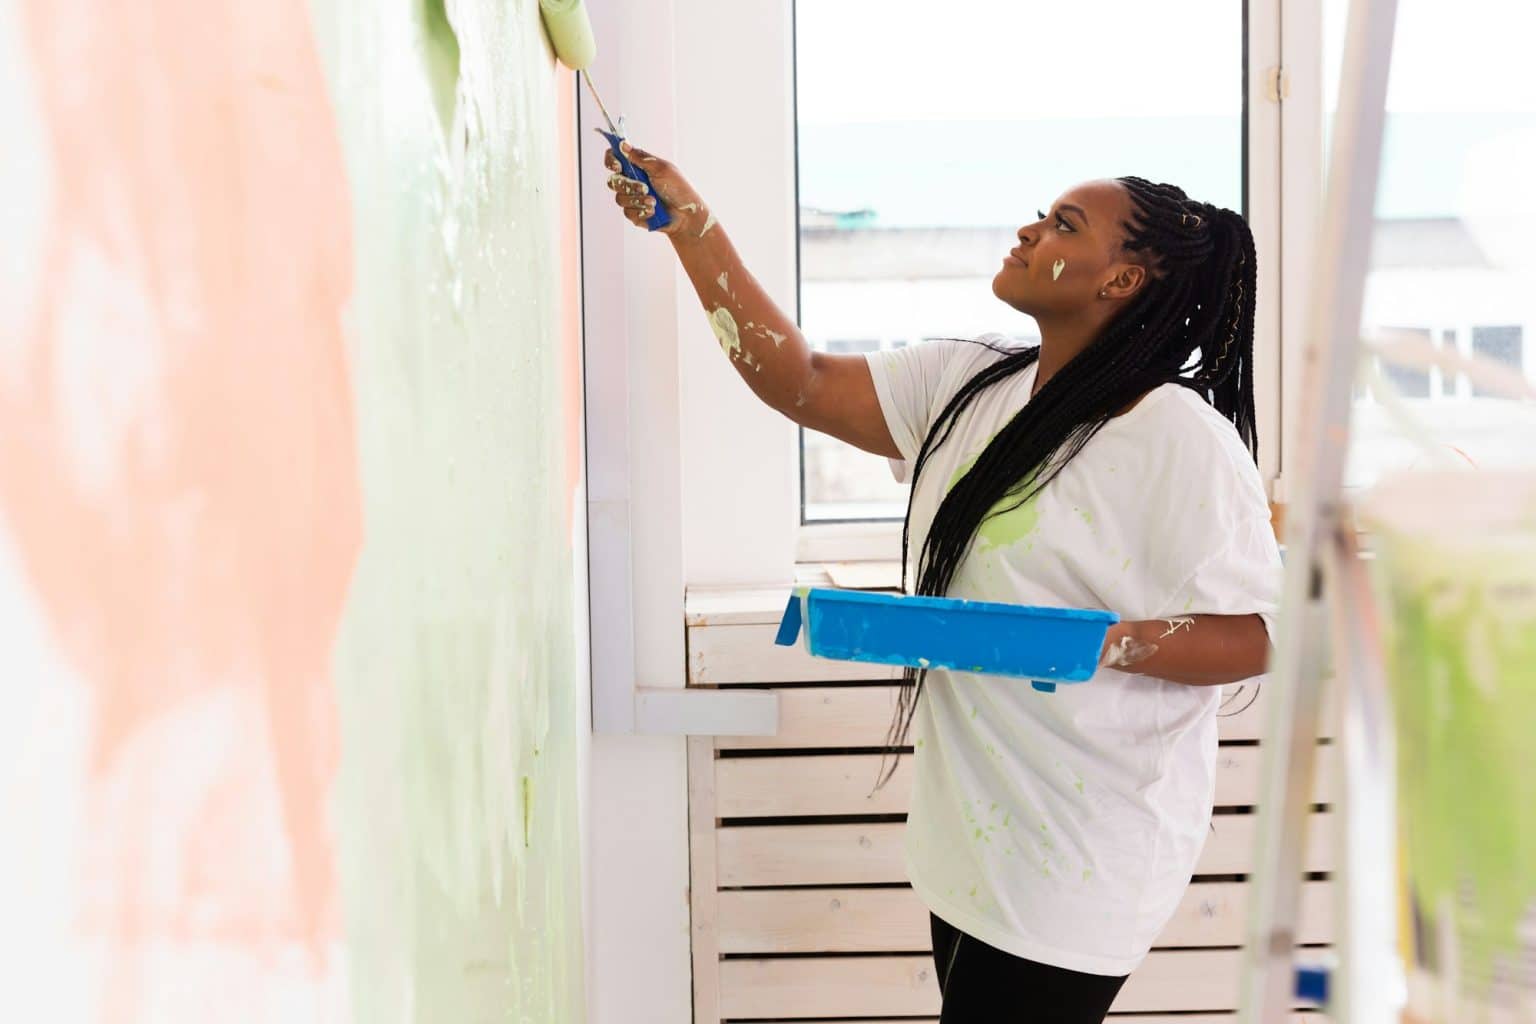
x,y
1127,282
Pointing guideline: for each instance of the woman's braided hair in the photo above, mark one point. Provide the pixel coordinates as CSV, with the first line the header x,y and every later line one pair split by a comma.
x,y
1191,324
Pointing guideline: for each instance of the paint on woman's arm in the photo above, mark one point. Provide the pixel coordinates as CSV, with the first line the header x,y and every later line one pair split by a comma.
x,y
724,326
709,222
725,285
1176,624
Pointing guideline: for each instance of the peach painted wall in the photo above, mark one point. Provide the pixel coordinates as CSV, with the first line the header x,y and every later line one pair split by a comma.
x,y
289,390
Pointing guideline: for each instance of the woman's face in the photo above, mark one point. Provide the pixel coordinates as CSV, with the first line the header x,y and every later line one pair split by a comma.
x,y
1082,230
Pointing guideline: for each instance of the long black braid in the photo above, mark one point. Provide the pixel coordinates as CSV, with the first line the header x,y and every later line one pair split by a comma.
x,y
1190,324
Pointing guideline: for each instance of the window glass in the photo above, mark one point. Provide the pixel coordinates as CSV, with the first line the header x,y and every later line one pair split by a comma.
x,y
925,139
1451,256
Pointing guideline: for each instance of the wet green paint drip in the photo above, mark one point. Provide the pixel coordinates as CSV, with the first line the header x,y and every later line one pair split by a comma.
x,y
527,806
1463,663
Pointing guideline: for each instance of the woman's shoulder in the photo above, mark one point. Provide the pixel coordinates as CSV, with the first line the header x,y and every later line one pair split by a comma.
x,y
1188,435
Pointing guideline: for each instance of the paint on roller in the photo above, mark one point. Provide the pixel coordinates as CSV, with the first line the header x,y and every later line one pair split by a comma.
x,y
724,326
1057,268
570,32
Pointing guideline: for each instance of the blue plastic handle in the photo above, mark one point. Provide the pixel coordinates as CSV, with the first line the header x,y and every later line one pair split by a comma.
x,y
662,217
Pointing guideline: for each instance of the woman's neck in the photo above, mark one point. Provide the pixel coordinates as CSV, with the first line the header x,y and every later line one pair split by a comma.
x,y
1059,345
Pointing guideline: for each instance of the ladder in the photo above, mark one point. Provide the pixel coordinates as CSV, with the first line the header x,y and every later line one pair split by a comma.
x,y
1327,598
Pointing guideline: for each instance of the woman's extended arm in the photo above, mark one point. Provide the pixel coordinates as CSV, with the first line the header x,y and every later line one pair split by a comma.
x,y
1196,650
833,394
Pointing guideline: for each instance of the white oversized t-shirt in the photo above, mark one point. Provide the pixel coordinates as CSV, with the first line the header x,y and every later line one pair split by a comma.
x,y
1064,827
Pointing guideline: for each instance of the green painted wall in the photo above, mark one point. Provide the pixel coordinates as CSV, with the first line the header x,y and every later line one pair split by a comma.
x,y
1463,661
456,807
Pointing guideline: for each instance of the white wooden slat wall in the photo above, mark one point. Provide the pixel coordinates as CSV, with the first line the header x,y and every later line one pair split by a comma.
x,y
768,895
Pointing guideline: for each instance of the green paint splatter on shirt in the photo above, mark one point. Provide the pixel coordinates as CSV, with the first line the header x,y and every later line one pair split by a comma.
x,y
1009,522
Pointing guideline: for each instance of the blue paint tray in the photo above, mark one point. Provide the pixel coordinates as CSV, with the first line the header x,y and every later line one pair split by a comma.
x,y
1045,645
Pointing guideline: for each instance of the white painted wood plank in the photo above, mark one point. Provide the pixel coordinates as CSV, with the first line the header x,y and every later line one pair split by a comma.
x,y
812,784
755,855
747,654
829,987
766,921
858,716
809,854
702,881
1240,775
712,606
825,716
822,784
1195,980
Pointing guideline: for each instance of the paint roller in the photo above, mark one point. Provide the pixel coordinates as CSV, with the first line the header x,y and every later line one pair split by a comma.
x,y
570,33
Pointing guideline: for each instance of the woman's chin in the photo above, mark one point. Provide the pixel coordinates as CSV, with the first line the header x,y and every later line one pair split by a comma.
x,y
1005,287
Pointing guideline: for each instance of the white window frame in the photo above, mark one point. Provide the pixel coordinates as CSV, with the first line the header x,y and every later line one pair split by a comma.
x,y
749,182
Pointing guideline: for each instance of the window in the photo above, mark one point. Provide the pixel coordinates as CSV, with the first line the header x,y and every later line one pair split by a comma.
x,y
1454,214
1409,381
1502,345
923,146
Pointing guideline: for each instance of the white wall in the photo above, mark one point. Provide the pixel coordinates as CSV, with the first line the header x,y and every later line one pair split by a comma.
x,y
636,815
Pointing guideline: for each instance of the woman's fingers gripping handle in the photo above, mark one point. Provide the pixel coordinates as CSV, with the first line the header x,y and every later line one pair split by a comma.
x,y
650,192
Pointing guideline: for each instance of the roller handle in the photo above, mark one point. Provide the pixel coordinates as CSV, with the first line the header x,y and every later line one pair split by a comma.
x,y
662,217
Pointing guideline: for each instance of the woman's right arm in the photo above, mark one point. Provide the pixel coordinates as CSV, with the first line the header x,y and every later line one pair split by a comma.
x,y
833,394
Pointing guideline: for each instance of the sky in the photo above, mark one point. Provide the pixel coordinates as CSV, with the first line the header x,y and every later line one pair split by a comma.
x,y
905,60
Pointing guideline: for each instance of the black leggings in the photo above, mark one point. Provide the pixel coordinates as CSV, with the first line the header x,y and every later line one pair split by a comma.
x,y
983,985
